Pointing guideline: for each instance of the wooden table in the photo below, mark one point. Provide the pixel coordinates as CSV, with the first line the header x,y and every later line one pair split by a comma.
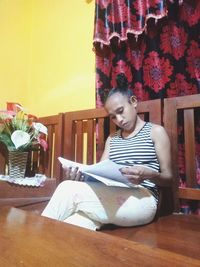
x,y
27,239
26,197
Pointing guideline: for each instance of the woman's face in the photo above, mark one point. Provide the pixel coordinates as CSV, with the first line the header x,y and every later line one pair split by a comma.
x,y
122,111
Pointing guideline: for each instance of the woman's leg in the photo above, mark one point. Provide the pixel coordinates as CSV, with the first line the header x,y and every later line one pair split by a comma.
x,y
71,202
100,204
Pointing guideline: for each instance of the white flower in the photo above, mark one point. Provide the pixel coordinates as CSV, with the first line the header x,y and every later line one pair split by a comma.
x,y
20,138
40,127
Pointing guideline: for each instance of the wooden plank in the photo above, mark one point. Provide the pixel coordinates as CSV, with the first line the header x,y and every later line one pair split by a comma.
x,y
20,202
170,124
186,102
90,141
8,190
79,141
190,153
176,233
100,138
58,148
189,193
41,239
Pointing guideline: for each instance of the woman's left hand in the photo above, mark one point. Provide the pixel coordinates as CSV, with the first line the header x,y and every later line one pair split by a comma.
x,y
135,174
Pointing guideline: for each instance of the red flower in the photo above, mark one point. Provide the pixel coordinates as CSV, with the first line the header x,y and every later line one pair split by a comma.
x,y
136,58
121,67
193,60
190,13
103,63
15,107
156,71
181,87
118,12
173,41
140,93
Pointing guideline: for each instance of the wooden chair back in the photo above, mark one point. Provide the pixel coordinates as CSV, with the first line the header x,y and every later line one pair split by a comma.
x,y
185,109
47,161
85,133
87,130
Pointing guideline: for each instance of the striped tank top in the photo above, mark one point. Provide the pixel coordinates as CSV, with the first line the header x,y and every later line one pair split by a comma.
x,y
138,149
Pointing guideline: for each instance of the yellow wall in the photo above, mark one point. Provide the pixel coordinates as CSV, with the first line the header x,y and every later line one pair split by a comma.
x,y
47,63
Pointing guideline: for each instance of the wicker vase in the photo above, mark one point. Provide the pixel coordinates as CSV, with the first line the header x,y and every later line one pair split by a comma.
x,y
17,161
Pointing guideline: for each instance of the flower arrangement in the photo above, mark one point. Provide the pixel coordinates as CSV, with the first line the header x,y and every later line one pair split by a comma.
x,y
20,131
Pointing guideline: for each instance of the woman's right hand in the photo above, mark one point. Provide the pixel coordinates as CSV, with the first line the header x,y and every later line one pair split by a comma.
x,y
74,175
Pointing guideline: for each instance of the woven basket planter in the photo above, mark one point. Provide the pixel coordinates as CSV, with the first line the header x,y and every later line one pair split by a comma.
x,y
17,161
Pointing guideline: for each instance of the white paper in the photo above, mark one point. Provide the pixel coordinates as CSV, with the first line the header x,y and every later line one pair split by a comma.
x,y
105,171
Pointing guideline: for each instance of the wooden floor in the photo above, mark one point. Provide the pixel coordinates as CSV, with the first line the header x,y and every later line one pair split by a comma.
x,y
176,233
27,239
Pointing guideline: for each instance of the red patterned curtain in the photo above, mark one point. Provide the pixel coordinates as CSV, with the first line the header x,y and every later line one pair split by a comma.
x,y
155,43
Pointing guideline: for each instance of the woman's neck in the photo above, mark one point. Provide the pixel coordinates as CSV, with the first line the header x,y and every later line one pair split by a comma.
x,y
137,127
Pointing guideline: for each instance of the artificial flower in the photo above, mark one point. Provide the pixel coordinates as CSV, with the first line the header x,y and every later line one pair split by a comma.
x,y
20,131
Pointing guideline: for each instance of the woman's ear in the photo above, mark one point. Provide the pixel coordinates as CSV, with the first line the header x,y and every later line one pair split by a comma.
x,y
133,100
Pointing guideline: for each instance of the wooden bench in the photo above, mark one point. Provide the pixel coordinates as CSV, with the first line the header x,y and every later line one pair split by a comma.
x,y
84,135
185,109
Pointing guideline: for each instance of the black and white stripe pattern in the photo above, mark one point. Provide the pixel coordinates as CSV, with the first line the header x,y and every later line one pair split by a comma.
x,y
138,149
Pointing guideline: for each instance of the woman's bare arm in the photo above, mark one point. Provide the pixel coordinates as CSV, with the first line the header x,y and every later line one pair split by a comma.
x,y
106,151
137,174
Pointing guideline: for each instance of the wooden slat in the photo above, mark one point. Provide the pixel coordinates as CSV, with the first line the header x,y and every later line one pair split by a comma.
x,y
170,125
58,148
153,108
48,160
69,137
100,137
189,193
79,141
190,159
90,141
112,127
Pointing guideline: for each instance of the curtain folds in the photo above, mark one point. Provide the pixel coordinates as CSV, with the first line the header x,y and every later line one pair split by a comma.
x,y
116,18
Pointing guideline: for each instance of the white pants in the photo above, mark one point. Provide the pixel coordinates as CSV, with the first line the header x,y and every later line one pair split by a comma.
x,y
92,205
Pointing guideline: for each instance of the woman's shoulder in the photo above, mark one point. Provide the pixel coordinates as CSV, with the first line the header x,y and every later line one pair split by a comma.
x,y
157,127
158,131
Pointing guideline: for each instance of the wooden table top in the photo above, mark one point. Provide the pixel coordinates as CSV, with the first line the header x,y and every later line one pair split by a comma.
x,y
27,239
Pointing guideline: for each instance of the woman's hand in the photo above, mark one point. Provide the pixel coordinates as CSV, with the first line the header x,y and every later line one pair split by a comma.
x,y
75,174
135,174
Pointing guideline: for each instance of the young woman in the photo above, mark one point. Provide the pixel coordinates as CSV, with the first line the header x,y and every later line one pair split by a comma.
x,y
144,150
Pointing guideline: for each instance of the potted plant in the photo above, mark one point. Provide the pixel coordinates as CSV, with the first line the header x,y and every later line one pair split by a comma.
x,y
20,133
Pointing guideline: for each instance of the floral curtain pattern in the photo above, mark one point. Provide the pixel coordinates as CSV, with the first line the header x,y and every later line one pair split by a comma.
x,y
161,60
155,43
